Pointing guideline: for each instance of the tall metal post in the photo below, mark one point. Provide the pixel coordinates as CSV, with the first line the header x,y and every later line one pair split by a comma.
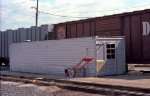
x,y
37,7
37,12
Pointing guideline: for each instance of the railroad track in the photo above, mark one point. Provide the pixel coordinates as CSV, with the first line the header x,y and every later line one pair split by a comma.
x,y
110,90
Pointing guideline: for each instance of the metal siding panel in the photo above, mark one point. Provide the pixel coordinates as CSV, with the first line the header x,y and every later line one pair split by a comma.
x,y
80,30
26,31
73,30
3,43
87,29
22,34
33,29
108,27
92,28
145,39
29,35
61,32
128,36
68,31
26,34
62,28
0,44
10,36
38,34
136,37
10,39
51,57
108,20
56,31
43,32
6,44
14,36
18,36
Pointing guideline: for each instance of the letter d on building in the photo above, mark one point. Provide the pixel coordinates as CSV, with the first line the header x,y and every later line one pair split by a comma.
x,y
146,28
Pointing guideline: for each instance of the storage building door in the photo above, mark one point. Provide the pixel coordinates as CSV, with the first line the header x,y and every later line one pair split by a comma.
x,y
106,59
110,61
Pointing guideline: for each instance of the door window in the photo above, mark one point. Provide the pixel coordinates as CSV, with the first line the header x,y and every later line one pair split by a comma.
x,y
110,51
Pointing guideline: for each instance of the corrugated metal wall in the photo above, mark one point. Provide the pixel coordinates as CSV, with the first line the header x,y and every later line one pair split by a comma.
x,y
19,35
53,56
6,44
110,26
3,44
0,44
76,29
138,45
126,24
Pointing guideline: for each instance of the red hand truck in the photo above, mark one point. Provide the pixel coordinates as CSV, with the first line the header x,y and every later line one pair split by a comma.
x,y
78,69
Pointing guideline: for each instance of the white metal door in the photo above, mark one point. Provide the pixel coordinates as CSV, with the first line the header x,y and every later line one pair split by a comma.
x,y
106,59
110,61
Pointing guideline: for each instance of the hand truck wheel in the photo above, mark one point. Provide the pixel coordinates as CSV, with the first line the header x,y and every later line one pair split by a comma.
x,y
70,72
81,72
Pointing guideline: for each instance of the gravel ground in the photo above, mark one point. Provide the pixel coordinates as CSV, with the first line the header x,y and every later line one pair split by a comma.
x,y
9,88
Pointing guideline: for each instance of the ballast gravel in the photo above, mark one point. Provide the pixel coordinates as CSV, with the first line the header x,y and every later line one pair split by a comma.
x,y
10,88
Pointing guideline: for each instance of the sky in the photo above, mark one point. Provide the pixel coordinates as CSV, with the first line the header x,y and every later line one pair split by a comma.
x,y
16,14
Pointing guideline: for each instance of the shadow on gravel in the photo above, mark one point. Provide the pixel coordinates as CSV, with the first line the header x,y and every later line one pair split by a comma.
x,y
4,68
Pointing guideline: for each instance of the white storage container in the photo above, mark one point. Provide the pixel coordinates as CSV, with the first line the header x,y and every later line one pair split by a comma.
x,y
53,56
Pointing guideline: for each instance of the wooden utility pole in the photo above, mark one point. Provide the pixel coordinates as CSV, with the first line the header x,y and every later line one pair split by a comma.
x,y
37,12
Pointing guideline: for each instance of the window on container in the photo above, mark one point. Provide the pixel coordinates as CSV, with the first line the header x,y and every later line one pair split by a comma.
x,y
110,51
